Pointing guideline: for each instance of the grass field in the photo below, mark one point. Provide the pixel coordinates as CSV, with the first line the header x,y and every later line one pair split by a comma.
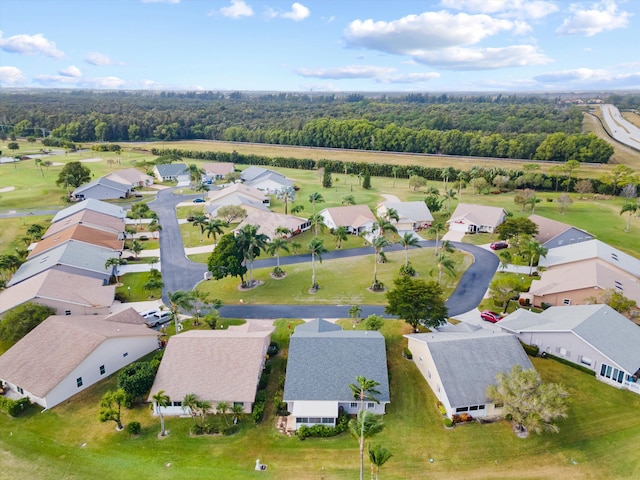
x,y
600,438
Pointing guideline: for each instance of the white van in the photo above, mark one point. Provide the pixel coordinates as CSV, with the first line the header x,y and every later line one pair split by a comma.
x,y
148,313
158,318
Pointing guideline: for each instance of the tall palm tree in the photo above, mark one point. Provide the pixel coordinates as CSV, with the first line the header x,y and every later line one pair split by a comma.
x,y
340,234
222,408
392,214
202,187
378,456
363,390
436,227
287,195
283,232
190,404
161,400
446,264
535,250
274,247
505,259
383,225
195,173
317,249
214,228
449,195
177,300
201,221
154,227
408,239
317,222
314,198
394,171
251,243
378,244
631,208
112,264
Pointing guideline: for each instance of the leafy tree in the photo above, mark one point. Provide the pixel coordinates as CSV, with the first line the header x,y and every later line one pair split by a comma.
x,y
505,287
417,182
251,243
570,166
73,174
136,379
366,180
408,239
231,213
515,228
13,146
200,300
564,200
631,207
326,178
433,203
340,234
9,263
615,300
111,406
161,400
317,249
287,195
619,176
20,320
523,197
374,322
531,403
583,187
378,456
153,284
227,259
417,302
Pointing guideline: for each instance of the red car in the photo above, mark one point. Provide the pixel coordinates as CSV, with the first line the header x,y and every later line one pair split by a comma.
x,y
490,316
499,245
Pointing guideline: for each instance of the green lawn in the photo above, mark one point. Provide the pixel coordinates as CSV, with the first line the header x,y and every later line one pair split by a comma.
x,y
342,281
600,439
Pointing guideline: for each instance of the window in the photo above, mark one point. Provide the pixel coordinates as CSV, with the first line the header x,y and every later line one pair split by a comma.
x,y
462,409
370,405
498,405
620,376
102,370
353,405
562,352
67,312
79,382
20,390
238,404
428,372
315,420
566,301
586,361
176,404
480,407
608,374
473,407
302,420
125,354
603,370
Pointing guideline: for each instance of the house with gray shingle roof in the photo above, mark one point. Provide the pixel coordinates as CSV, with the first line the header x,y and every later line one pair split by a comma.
x,y
323,361
172,172
90,204
66,354
594,336
552,233
265,180
102,189
459,365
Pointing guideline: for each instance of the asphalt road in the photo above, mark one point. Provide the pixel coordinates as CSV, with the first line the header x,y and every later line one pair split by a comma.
x,y
621,130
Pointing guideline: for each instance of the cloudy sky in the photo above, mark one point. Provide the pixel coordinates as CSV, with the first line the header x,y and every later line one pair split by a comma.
x,y
321,45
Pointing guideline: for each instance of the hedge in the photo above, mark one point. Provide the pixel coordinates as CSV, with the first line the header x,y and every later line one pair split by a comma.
x,y
568,363
13,407
532,350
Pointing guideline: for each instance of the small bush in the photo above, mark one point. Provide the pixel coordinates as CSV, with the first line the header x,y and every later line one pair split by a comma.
x,y
323,430
407,270
197,429
258,411
407,353
13,407
134,428
532,350
441,408
273,349
143,238
448,423
545,305
230,430
377,286
278,272
261,396
568,363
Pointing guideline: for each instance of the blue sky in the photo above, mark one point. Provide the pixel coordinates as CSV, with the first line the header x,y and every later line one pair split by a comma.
x,y
321,45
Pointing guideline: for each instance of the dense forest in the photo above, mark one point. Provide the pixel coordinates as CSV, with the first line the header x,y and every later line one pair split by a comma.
x,y
502,126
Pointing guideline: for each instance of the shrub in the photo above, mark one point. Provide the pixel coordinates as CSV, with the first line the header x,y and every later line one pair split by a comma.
x,y
230,430
532,350
545,305
261,396
258,411
273,349
448,423
13,407
323,430
407,270
134,428
377,286
197,429
278,272
524,302
143,238
568,363
407,353
441,408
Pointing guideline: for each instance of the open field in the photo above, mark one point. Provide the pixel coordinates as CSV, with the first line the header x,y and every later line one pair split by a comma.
x,y
69,442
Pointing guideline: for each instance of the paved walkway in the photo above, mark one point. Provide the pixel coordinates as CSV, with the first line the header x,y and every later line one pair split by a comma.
x,y
453,236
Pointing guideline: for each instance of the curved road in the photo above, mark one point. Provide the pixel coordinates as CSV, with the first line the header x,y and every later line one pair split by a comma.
x,y
621,130
180,273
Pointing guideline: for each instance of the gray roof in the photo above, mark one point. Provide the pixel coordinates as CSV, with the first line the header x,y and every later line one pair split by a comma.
x,y
468,363
417,211
254,174
324,360
82,256
105,182
90,204
600,326
172,169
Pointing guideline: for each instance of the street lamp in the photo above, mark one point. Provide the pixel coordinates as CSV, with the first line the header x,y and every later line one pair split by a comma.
x,y
129,293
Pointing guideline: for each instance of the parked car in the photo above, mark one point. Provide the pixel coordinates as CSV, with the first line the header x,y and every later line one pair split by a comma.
x,y
158,319
499,245
198,200
148,313
489,316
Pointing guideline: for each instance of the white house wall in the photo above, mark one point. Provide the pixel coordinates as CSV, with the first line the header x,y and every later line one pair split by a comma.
x,y
427,367
62,307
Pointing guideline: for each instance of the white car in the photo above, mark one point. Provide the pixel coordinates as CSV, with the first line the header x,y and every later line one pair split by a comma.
x,y
158,318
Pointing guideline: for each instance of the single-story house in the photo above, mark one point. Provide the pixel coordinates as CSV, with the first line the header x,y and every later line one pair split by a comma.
x,y
64,355
79,233
471,218
323,361
102,189
594,336
552,233
71,257
357,218
246,203
217,170
412,215
265,180
215,365
172,172
68,293
132,177
93,205
459,365
268,223
238,190
91,219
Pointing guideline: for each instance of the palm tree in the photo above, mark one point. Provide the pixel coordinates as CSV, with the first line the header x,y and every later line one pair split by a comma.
x,y
203,407
631,208
222,408
202,187
237,411
378,244
314,198
287,195
177,300
378,456
214,228
195,173
535,249
295,246
363,390
408,240
201,221
383,224
317,222
436,227
340,234
355,312
392,214
111,264
190,404
154,227
348,200
251,243
449,195
446,263
283,232
394,171
35,231
505,259
161,400
317,249
274,247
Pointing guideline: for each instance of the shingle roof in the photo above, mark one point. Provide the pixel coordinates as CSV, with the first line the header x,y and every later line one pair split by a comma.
x,y
218,168
237,200
89,218
129,176
468,363
254,175
549,229
48,353
90,204
269,221
478,214
172,169
324,360
105,182
239,189
216,365
82,234
417,211
350,215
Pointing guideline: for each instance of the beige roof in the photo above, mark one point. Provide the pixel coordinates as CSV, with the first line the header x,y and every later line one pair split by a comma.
x,y
268,222
216,365
80,233
350,216
58,286
254,193
219,168
129,176
587,274
47,354
89,218
478,214
549,229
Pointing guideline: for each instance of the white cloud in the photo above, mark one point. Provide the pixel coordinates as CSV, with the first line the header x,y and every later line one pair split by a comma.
x,y
95,58
30,45
414,77
71,71
588,78
11,76
601,17
77,82
533,9
461,58
237,9
298,12
160,1
379,74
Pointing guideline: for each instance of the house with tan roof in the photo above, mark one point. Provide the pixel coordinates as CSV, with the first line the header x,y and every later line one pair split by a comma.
x,y
357,218
412,215
90,204
67,293
269,222
65,355
215,365
218,170
552,233
471,218
238,189
91,219
131,177
82,234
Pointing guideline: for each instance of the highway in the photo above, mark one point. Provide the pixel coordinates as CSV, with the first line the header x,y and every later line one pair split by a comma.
x,y
621,130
